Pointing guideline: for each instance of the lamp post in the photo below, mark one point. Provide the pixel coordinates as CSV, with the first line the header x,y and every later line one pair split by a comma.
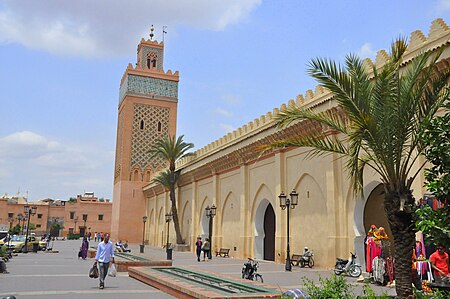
x,y
20,218
287,203
29,211
210,213
144,219
75,220
168,249
10,220
85,219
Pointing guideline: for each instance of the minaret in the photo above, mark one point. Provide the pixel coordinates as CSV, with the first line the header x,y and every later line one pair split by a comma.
x,y
147,111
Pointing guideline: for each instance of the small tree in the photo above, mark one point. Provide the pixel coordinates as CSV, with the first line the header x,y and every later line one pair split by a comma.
x,y
436,138
171,149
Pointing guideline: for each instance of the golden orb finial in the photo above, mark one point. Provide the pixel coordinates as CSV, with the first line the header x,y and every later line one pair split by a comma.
x,y
151,32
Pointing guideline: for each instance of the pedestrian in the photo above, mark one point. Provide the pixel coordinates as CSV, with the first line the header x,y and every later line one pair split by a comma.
x,y
206,249
198,247
105,255
89,236
84,248
101,236
439,263
95,237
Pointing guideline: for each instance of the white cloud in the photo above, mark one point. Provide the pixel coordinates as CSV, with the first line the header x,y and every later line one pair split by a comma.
x,y
231,99
226,128
443,5
223,112
49,168
108,27
366,51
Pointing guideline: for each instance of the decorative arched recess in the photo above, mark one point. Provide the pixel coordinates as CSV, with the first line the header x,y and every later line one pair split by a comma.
x,y
186,220
311,210
151,227
160,227
204,221
260,204
231,221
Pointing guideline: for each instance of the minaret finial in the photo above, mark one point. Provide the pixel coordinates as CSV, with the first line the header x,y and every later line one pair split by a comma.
x,y
151,32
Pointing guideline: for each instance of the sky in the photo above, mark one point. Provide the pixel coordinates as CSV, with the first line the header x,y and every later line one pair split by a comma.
x,y
61,62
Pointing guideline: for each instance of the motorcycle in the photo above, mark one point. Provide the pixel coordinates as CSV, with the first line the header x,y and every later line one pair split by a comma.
x,y
349,266
250,269
306,259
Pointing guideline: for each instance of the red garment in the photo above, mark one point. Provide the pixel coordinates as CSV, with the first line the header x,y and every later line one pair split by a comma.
x,y
440,261
373,250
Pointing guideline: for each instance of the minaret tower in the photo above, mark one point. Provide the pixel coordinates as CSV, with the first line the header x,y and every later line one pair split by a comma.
x,y
147,111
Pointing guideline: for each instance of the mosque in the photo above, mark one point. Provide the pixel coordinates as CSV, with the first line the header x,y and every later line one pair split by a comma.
x,y
240,181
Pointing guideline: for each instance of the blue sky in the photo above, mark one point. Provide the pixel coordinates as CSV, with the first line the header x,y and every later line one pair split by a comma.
x,y
61,63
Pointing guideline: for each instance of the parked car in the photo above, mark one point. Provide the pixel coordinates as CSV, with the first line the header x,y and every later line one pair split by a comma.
x,y
17,243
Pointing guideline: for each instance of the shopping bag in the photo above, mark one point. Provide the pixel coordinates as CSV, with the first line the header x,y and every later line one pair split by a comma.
x,y
93,272
112,270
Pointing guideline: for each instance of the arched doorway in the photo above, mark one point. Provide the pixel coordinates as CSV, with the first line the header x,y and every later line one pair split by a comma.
x,y
265,231
269,234
375,214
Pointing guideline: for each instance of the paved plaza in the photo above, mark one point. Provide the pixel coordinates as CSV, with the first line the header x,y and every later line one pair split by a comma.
x,y
63,275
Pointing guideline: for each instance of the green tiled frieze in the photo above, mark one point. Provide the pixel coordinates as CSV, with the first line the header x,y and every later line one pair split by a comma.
x,y
148,86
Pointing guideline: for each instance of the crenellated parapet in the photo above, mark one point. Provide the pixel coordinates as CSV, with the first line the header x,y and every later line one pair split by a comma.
x,y
438,36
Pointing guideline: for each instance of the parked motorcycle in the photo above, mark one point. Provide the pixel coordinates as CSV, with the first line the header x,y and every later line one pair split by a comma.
x,y
250,269
349,266
306,260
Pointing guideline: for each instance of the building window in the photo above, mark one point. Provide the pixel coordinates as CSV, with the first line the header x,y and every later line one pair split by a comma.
x,y
39,216
159,126
70,231
72,215
142,125
84,217
38,225
10,215
100,216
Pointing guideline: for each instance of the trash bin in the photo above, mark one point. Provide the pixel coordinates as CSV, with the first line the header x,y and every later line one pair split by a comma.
x,y
141,248
169,253
35,247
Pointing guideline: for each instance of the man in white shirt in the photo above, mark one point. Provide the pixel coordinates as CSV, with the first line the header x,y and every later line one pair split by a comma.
x,y
105,254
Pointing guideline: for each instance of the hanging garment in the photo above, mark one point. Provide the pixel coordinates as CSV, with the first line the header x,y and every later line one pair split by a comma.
x,y
390,268
379,269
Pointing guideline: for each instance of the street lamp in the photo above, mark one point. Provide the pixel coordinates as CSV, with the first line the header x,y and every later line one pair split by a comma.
x,y
287,203
75,220
10,220
210,213
85,216
144,219
20,218
29,211
168,249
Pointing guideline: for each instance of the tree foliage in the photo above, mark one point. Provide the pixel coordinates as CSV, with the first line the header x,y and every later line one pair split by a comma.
x,y
436,138
377,126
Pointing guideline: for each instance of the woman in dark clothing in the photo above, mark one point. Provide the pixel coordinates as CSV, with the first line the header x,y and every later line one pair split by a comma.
x,y
84,248
198,247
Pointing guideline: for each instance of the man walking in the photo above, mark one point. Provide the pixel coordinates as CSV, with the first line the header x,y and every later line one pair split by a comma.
x,y
105,254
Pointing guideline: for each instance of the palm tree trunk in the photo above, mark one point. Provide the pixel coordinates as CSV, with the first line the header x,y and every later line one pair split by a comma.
x,y
403,230
176,222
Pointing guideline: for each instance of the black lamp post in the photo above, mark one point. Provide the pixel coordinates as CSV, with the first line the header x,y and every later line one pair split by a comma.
x,y
29,211
75,220
287,203
10,220
20,218
168,249
210,213
144,219
85,228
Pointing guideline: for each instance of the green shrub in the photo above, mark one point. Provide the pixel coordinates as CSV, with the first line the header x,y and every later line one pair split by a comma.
x,y
335,287
73,236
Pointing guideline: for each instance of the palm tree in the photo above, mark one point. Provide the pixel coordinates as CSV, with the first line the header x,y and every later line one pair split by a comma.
x,y
170,149
377,125
163,178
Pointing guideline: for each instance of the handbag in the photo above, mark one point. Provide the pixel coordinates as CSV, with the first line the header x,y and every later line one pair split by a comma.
x,y
112,270
93,272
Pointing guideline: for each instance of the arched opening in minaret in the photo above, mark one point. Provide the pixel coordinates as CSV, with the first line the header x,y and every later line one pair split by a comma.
x,y
142,125
159,126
